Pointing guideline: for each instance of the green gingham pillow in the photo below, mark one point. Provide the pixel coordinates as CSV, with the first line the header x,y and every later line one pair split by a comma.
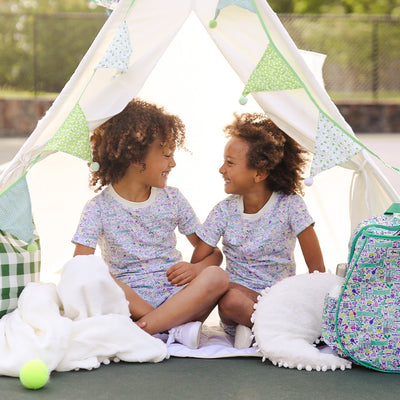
x,y
19,266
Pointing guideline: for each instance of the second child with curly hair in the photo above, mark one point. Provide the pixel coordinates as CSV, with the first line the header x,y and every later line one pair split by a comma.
x,y
260,220
134,218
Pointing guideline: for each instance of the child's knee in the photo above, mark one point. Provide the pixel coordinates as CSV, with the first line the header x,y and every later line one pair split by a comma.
x,y
230,301
221,278
217,279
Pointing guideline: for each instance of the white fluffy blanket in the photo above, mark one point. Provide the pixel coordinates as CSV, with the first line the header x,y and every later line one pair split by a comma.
x,y
288,320
81,323
84,321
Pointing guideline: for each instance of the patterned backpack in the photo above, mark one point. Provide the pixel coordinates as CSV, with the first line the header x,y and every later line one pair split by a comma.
x,y
362,320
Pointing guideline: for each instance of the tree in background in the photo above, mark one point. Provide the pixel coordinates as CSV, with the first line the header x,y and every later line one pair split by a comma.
x,y
390,7
40,46
45,6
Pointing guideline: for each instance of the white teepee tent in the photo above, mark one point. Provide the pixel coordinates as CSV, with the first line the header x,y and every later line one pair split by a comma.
x,y
284,81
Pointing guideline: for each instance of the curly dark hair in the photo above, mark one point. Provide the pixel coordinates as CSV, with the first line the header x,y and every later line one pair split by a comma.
x,y
125,138
271,150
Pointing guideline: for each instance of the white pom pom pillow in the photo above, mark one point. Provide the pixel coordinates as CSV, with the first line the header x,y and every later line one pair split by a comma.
x,y
288,321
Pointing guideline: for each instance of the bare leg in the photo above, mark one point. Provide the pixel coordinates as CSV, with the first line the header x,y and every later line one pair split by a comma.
x,y
237,305
137,306
193,303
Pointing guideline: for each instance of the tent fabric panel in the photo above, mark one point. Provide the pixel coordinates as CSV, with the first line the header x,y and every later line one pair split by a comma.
x,y
152,26
102,98
296,111
288,49
371,192
243,46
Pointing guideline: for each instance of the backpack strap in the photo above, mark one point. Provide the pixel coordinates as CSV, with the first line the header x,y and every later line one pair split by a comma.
x,y
393,209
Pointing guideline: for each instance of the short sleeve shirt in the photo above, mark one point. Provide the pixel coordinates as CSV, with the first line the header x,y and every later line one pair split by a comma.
x,y
259,248
137,240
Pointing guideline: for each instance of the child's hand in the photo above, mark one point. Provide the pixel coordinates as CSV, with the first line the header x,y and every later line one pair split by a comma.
x,y
141,324
182,273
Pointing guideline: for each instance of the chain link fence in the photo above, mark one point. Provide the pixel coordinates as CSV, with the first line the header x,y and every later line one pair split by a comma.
x,y
39,52
363,52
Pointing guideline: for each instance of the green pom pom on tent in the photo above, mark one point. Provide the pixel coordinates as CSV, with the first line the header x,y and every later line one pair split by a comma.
x,y
32,248
213,24
243,100
94,166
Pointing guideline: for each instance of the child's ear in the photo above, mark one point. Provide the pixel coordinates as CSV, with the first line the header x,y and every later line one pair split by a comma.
x,y
260,176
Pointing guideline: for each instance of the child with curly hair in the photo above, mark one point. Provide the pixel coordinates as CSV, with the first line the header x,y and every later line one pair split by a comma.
x,y
134,218
260,220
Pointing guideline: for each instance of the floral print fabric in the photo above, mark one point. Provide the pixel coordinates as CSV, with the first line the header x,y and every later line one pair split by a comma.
x,y
73,136
364,323
137,240
332,146
258,247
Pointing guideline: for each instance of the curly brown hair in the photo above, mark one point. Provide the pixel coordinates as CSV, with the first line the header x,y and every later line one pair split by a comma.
x,y
271,150
125,138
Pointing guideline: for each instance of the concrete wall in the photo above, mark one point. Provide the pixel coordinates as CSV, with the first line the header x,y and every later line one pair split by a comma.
x,y
371,117
18,117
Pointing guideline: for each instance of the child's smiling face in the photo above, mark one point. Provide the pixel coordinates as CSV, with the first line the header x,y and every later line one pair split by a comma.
x,y
159,162
238,177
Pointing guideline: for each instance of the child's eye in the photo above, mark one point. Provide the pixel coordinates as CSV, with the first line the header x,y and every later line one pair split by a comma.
x,y
229,162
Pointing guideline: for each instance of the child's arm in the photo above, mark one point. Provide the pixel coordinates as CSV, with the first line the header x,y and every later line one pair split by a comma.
x,y
311,249
137,306
81,250
202,252
203,256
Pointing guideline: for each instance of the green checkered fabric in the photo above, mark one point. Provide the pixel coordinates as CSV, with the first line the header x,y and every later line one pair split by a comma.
x,y
18,267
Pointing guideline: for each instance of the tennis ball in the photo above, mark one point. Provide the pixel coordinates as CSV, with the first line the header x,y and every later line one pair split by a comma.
x,y
34,374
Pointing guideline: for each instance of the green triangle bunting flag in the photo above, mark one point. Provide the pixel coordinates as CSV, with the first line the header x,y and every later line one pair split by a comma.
x,y
271,73
73,136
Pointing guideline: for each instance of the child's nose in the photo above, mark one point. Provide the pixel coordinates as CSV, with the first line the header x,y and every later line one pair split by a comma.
x,y
221,169
172,162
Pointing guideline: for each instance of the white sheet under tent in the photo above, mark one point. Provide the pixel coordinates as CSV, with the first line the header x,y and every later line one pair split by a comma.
x,y
196,58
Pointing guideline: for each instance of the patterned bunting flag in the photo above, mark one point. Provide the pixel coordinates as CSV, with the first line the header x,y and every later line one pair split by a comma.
x,y
16,211
271,73
119,52
246,4
110,4
73,136
332,146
